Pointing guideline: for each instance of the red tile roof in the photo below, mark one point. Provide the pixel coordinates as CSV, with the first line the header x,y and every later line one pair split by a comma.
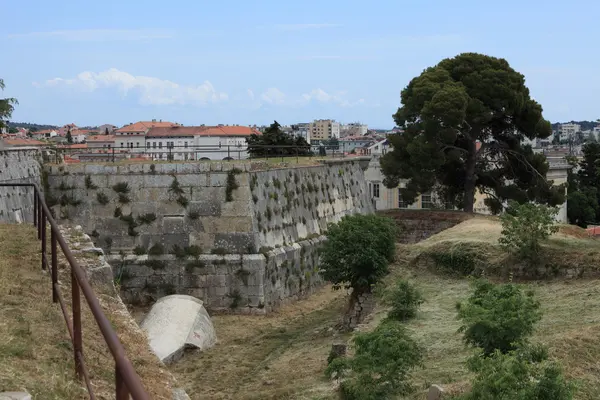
x,y
232,130
73,146
22,142
176,131
143,126
101,138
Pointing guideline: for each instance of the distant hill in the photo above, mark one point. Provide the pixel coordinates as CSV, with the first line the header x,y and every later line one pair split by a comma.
x,y
29,126
585,125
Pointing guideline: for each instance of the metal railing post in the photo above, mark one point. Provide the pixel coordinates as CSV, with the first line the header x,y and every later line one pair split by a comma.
x,y
121,389
39,226
42,229
54,264
77,341
35,207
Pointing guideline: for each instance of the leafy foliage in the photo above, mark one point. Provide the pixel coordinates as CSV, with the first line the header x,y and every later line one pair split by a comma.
x,y
525,226
463,122
121,187
498,317
275,142
515,376
583,198
358,251
405,300
6,106
380,368
231,184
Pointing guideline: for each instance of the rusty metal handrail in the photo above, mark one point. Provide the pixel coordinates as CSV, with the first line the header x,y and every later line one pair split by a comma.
x,y
127,381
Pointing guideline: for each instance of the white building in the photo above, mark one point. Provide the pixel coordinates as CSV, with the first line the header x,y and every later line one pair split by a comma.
x,y
569,130
132,137
198,142
302,130
353,129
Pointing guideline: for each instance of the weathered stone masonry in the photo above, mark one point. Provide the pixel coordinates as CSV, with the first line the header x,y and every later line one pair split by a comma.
x,y
258,230
18,166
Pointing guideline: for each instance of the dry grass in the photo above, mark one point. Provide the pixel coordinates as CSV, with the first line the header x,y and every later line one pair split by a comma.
x,y
279,356
35,348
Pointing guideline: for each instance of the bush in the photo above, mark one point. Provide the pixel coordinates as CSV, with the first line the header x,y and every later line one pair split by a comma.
x,y
357,251
525,226
498,317
156,250
513,376
380,368
457,260
405,300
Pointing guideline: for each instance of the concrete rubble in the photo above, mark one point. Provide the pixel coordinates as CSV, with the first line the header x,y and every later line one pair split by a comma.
x,y
178,322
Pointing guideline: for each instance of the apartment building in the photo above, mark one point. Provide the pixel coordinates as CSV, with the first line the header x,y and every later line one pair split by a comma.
x,y
324,129
198,142
353,129
132,137
302,130
569,130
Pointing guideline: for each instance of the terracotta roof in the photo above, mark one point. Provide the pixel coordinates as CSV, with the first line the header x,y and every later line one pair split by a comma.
x,y
101,138
43,131
22,142
73,146
173,131
229,131
143,126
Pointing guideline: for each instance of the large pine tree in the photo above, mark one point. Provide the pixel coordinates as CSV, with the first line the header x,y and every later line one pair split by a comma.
x,y
464,120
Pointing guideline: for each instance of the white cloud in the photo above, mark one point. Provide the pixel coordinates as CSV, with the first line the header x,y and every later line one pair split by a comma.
x,y
339,98
151,90
273,96
97,35
301,27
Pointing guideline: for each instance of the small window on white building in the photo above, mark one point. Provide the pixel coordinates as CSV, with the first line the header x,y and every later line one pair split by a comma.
x,y
185,144
376,190
153,145
401,203
160,145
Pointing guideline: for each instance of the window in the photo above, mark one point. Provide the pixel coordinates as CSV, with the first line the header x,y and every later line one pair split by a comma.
x,y
185,145
376,190
426,201
160,145
148,145
122,145
153,145
401,203
137,144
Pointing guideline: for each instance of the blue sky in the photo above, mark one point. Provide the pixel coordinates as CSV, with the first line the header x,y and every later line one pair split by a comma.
x,y
249,62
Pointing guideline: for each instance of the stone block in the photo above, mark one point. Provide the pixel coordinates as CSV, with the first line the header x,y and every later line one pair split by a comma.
x,y
435,393
234,242
237,208
218,179
173,225
205,208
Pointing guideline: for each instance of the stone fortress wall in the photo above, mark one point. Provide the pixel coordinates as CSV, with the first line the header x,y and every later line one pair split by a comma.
x,y
18,166
235,236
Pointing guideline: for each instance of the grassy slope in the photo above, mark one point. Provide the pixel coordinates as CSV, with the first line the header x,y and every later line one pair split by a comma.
x,y
282,356
35,349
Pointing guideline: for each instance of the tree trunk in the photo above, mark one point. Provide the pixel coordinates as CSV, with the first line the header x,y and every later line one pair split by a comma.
x,y
470,178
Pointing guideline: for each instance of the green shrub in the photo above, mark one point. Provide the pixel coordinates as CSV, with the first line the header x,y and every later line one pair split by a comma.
x,y
189,267
193,251
123,198
236,299
89,184
178,251
514,376
146,219
117,213
405,300
102,198
380,368
121,187
525,226
139,250
183,201
498,317
156,250
155,264
231,184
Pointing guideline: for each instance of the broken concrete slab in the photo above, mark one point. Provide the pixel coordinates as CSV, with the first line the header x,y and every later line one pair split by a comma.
x,y
175,323
15,396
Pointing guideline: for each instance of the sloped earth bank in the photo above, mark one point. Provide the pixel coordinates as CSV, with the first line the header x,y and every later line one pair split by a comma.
x,y
35,349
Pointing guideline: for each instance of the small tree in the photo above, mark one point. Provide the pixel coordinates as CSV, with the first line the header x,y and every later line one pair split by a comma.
x,y
69,137
405,300
380,368
358,251
525,226
514,376
498,317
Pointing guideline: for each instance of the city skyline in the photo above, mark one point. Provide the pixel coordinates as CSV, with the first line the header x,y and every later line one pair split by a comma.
x,y
208,63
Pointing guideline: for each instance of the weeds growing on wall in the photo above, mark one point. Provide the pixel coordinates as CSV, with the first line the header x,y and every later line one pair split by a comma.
x,y
219,251
155,264
89,184
193,215
121,187
236,299
123,198
176,191
139,250
146,219
131,224
68,200
231,184
243,274
102,198
152,169
156,250
190,265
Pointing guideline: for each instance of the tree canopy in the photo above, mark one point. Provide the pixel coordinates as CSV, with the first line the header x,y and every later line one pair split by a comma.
x,y
6,106
463,122
583,198
274,142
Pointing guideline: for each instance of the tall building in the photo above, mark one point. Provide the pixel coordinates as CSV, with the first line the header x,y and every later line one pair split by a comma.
x,y
568,130
302,130
324,129
353,129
